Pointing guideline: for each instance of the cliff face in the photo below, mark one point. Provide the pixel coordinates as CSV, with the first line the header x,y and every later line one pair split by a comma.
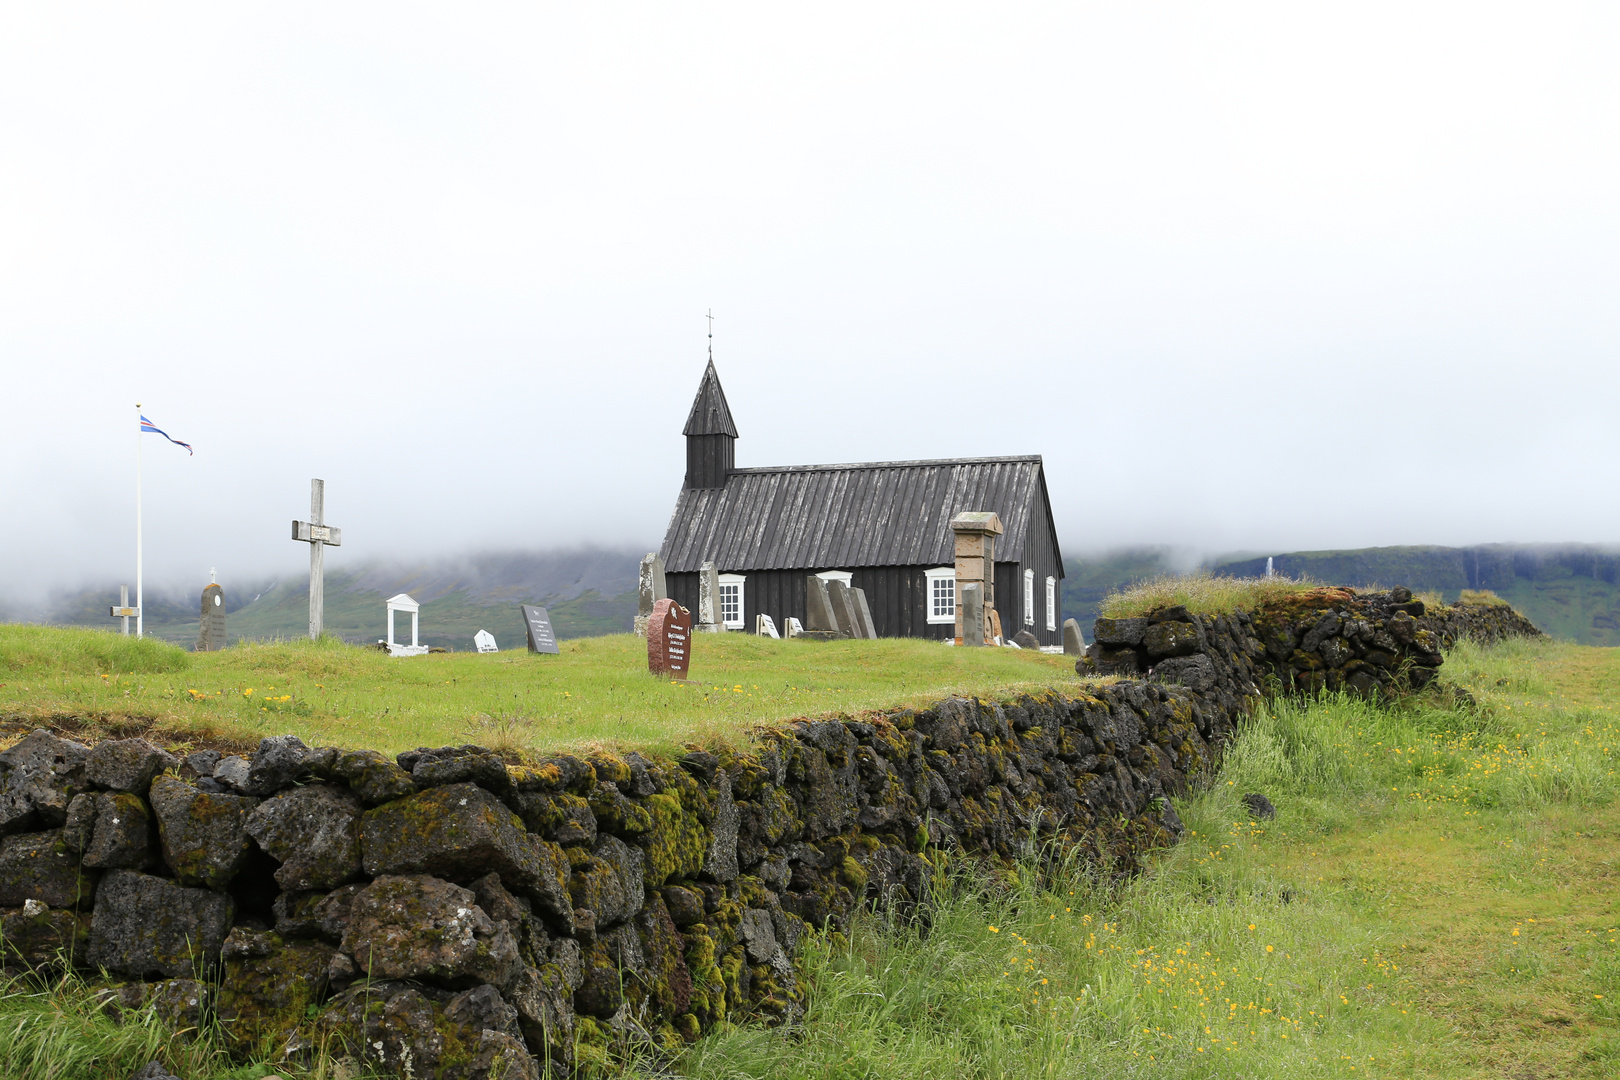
x,y
447,914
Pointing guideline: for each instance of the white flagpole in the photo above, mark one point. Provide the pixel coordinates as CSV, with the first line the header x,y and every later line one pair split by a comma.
x,y
140,609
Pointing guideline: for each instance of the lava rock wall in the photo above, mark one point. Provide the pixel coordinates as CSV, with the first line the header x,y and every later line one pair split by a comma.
x,y
1319,639
451,915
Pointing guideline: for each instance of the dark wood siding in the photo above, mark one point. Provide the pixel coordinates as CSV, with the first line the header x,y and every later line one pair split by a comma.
x,y
709,460
768,524
897,595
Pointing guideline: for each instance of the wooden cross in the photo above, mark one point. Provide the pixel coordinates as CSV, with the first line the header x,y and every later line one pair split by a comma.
x,y
318,535
123,610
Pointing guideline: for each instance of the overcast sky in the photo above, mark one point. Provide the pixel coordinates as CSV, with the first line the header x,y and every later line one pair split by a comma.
x,y
1249,276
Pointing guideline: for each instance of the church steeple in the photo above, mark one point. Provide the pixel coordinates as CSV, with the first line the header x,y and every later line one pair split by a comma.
x,y
710,435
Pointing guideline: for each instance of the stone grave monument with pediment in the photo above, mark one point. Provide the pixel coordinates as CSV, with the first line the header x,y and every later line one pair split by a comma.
x,y
402,602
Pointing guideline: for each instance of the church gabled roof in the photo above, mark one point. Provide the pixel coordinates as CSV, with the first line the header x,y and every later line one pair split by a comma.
x,y
710,414
890,513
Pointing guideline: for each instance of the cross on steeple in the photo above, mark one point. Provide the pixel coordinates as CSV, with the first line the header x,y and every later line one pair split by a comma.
x,y
318,535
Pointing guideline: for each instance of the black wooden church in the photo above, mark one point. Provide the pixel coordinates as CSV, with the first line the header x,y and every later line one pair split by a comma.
x,y
883,527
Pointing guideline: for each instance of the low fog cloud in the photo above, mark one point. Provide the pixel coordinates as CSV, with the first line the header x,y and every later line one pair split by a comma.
x,y
1253,277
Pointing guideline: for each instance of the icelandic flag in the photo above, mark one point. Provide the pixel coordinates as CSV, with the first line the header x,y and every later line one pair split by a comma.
x,y
147,425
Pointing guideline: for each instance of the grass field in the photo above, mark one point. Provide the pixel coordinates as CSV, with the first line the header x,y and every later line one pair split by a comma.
x,y
1438,897
598,691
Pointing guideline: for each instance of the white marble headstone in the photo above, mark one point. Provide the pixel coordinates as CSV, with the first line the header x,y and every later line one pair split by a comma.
x,y
765,626
794,627
485,641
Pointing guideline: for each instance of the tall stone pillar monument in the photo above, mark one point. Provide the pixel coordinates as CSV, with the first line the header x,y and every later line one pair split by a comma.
x,y
976,533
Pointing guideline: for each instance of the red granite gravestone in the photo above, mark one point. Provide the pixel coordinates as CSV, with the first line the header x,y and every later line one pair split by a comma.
x,y
669,639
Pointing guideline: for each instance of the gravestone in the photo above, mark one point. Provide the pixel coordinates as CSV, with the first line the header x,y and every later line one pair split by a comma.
x,y
1074,642
403,602
485,641
211,621
972,606
123,610
975,533
708,611
818,606
537,624
669,639
765,626
863,614
792,627
650,589
995,627
842,609
318,535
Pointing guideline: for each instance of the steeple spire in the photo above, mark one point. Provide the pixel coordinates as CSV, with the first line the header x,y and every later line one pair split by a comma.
x,y
710,414
710,435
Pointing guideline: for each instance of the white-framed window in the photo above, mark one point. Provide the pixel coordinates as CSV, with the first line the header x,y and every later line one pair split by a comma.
x,y
1051,603
846,576
941,594
731,600
1029,598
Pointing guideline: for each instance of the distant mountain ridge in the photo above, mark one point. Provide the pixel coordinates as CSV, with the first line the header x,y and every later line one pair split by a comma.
x,y
1572,591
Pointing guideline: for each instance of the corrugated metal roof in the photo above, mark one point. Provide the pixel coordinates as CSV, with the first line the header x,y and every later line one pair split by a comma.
x,y
817,517
710,414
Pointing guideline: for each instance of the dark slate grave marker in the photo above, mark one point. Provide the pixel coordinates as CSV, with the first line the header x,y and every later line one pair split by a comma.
x,y
542,639
211,625
669,639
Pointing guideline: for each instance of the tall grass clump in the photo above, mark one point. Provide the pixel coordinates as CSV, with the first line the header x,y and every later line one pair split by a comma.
x,y
62,1028
80,651
1066,974
1202,592
58,1030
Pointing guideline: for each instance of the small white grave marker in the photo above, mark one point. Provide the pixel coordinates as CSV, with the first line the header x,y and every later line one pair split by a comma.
x,y
485,641
402,602
794,627
765,626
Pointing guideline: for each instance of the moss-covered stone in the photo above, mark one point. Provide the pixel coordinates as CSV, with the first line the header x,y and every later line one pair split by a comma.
x,y
676,842
617,814
562,818
204,835
41,937
418,926
462,832
145,925
399,1027
268,987
373,777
